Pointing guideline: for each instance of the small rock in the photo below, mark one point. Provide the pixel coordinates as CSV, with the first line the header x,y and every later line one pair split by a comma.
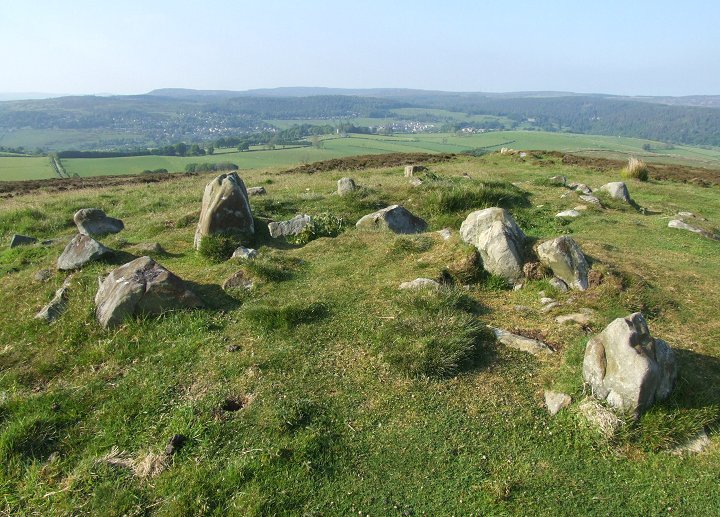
x,y
558,284
555,401
256,191
580,187
568,213
581,208
578,317
558,180
239,280
420,283
567,261
21,240
43,275
411,170
415,182
395,218
522,309
233,348
345,186
93,221
696,445
288,228
617,190
550,306
55,308
445,233
545,300
245,253
81,250
518,286
149,247
522,343
589,198
680,225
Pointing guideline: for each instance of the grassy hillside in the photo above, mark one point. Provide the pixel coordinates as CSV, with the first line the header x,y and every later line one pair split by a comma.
x,y
352,402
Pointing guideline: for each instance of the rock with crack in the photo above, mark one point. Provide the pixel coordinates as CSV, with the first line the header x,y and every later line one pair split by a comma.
x,y
628,367
555,401
225,209
345,186
21,240
617,190
498,239
681,225
567,261
141,287
94,221
420,283
55,308
395,218
522,343
81,250
290,227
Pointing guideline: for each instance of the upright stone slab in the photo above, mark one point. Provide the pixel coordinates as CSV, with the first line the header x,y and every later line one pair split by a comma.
x,y
617,190
225,209
567,261
93,221
395,218
498,239
345,186
79,251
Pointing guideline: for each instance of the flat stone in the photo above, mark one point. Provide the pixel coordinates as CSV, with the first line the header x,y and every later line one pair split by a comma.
x,y
522,343
55,308
580,318
681,225
21,240
395,218
149,247
581,208
545,300
245,253
568,213
420,283
550,306
289,228
81,250
555,401
238,280
256,191
593,200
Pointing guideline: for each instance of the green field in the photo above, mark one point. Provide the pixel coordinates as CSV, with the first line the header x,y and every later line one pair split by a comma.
x,y
25,168
58,139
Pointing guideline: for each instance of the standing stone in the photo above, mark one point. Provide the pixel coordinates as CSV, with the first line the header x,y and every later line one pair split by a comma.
x,y
225,209
558,180
627,367
140,287
81,250
566,260
617,190
288,228
345,186
499,240
21,240
394,218
93,221
411,170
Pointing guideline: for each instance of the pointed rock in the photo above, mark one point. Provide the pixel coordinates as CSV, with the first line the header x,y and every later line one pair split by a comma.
x,y
395,218
81,250
55,308
225,209
567,261
555,401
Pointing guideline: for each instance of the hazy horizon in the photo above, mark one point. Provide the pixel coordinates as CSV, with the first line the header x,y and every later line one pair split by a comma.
x,y
639,49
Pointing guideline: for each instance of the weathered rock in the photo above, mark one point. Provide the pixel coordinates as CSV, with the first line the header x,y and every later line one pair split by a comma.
x,y
549,307
43,275
420,283
395,218
81,250
534,271
225,209
149,247
628,367
681,225
499,240
580,187
581,318
617,190
445,233
593,200
21,240
55,308
600,417
93,221
555,401
558,180
558,284
544,300
696,445
245,253
568,213
291,227
345,186
581,208
238,280
141,287
256,191
522,343
411,170
566,260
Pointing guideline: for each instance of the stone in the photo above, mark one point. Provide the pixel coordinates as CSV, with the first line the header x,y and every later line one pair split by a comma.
x,y
581,318
522,343
288,228
627,367
394,218
617,190
558,180
498,239
534,270
245,253
238,280
420,283
141,287
549,307
55,308
593,200
581,208
600,417
225,209
81,250
256,191
568,213
555,401
42,275
21,240
558,284
345,186
445,233
545,300
681,225
580,187
695,445
567,261
415,182
149,247
94,221
411,170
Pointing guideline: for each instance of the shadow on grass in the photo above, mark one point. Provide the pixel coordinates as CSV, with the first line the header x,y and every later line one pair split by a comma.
x,y
213,296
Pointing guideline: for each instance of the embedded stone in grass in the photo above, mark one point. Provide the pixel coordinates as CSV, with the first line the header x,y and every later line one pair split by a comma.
x,y
555,401
81,250
628,367
593,200
225,209
499,240
558,180
55,308
567,261
445,233
256,191
345,186
245,253
581,318
238,280
522,343
411,170
42,275
617,190
558,284
568,213
420,283
94,221
149,247
21,240
580,187
289,228
681,225
395,218
141,287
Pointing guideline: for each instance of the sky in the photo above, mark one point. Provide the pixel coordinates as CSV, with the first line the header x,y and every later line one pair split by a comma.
x,y
630,47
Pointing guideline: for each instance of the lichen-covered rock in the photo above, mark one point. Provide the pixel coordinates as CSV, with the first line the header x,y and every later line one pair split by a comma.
x,y
617,190
395,218
79,251
238,281
345,186
141,287
555,401
627,367
567,261
94,221
288,228
498,239
225,209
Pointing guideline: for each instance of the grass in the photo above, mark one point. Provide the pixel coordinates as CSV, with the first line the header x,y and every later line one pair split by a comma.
x,y
635,169
351,396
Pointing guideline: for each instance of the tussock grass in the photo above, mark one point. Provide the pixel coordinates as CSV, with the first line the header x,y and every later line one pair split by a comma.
x,y
288,316
636,169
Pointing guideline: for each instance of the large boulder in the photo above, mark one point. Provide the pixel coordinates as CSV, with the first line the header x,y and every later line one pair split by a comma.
x,y
617,190
93,221
140,287
498,239
567,261
225,209
345,186
81,250
290,227
627,367
394,218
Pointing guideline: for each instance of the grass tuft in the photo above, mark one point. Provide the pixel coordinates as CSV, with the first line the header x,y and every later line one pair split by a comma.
x,y
636,169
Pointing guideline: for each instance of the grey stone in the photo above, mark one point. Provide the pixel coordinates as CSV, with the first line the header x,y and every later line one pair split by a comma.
x,y
593,200
555,401
256,191
558,180
581,318
627,367
395,218
238,280
568,213
149,247
522,343
580,187
617,190
21,240
55,308
225,209
544,300
420,283
81,250
681,225
288,228
245,253
549,307
415,182
141,287
498,239
566,260
43,275
411,170
93,221
695,445
558,284
345,186
445,233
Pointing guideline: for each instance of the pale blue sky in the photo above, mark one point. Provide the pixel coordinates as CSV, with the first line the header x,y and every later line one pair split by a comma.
x,y
624,47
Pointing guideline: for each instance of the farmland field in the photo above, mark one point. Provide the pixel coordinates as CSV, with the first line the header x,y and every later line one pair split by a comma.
x,y
25,167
